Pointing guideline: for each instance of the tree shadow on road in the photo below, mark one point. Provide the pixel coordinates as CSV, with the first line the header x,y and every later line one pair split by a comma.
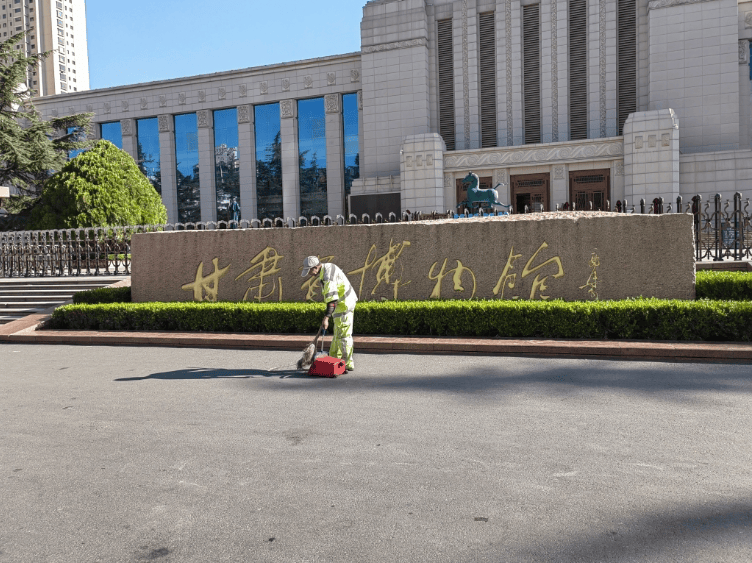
x,y
685,533
213,373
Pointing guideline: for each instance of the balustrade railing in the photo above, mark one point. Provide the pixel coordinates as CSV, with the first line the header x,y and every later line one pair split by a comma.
x,y
723,231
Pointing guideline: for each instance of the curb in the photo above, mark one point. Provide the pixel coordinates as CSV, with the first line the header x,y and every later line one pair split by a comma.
x,y
25,333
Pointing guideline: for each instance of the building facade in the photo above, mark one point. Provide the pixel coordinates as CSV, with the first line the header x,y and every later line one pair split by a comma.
x,y
52,25
553,100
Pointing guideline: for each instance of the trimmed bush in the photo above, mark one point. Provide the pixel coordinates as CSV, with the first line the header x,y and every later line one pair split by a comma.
x,y
651,319
103,295
100,187
710,284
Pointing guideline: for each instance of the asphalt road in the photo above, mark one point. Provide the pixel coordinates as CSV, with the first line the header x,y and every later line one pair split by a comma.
x,y
154,454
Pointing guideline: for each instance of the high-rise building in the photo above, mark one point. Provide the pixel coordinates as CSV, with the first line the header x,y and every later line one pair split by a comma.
x,y
53,25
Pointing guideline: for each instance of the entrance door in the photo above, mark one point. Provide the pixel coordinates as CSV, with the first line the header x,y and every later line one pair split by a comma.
x,y
590,185
484,183
531,190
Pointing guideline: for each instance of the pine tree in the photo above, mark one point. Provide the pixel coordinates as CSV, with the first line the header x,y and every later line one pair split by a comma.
x,y
31,149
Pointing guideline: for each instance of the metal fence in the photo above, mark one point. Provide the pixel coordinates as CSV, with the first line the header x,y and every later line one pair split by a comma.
x,y
723,231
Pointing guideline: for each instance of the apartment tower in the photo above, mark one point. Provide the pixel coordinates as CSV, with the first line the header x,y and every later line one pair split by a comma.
x,y
53,25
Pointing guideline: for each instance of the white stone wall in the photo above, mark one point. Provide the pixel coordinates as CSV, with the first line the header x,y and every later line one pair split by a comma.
x,y
711,173
694,70
394,62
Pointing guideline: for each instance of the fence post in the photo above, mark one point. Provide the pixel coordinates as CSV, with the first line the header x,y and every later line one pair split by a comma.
x,y
642,205
678,203
718,231
737,230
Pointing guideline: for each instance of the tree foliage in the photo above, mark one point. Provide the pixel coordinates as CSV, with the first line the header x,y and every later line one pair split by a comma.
x,y
31,149
101,187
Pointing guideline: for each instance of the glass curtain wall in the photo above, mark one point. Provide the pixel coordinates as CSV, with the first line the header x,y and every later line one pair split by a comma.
x,y
226,164
147,133
186,153
268,161
111,132
351,141
312,157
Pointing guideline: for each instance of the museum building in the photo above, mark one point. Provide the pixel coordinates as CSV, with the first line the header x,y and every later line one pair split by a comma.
x,y
556,100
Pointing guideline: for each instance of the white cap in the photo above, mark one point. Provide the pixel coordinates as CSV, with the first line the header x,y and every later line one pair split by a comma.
x,y
308,263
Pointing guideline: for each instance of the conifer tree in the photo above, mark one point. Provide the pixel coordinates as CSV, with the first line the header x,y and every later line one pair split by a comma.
x,y
31,148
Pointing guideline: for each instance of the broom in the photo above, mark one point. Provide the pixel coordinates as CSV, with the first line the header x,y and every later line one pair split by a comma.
x,y
309,352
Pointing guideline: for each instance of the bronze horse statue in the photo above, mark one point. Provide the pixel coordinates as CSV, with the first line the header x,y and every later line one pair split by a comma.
x,y
477,196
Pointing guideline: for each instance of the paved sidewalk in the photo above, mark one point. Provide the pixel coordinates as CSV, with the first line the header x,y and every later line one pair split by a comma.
x,y
24,331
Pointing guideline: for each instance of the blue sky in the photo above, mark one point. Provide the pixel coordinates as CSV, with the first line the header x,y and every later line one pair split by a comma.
x,y
134,41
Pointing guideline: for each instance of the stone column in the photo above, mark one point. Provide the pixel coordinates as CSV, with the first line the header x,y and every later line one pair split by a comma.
x,y
288,111
205,119
167,166
465,51
422,173
651,156
509,73
593,68
130,140
335,172
247,157
559,185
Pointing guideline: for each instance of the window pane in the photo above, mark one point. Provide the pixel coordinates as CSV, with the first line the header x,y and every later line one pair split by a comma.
x,y
148,151
186,153
352,144
111,132
79,137
312,147
268,161
226,164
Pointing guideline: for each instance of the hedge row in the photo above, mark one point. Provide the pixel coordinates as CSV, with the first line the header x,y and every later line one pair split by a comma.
x,y
733,286
652,319
103,295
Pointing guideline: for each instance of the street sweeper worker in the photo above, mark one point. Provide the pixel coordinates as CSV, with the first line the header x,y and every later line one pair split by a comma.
x,y
340,300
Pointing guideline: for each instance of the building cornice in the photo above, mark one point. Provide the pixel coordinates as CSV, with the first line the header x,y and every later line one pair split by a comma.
x,y
419,42
548,153
656,4
252,72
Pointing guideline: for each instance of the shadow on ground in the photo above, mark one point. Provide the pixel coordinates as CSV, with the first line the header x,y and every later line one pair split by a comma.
x,y
210,373
683,534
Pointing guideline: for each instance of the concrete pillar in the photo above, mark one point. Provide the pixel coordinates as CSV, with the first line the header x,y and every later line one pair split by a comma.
x,y
205,119
422,173
247,157
509,73
288,111
651,156
546,65
167,166
130,140
335,166
559,185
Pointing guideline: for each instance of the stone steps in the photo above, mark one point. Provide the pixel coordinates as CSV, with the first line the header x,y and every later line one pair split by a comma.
x,y
20,297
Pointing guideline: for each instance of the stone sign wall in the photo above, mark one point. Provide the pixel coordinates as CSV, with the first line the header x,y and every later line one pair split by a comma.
x,y
573,256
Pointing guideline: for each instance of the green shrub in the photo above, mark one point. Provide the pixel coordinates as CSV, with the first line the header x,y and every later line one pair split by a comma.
x,y
735,286
103,295
651,319
100,187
